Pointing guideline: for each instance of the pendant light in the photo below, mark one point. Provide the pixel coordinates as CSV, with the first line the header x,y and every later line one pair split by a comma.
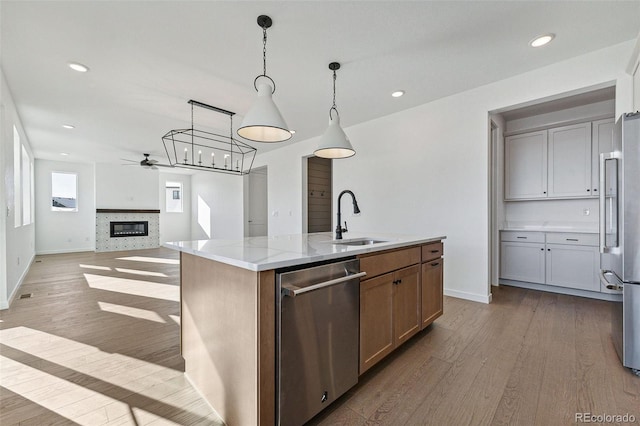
x,y
263,122
334,143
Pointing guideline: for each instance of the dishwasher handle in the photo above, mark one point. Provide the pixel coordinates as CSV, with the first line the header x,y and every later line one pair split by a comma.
x,y
293,291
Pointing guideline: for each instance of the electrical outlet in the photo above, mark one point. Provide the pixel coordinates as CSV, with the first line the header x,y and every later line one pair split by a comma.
x,y
586,212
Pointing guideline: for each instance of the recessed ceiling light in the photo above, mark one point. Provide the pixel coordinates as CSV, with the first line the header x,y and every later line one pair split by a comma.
x,y
397,93
541,40
68,126
293,132
64,153
78,67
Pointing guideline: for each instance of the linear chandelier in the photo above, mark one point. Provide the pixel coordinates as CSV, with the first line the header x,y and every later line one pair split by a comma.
x,y
202,150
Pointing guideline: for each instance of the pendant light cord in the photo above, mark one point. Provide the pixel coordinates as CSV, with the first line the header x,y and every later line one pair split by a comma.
x,y
264,62
264,51
334,107
334,89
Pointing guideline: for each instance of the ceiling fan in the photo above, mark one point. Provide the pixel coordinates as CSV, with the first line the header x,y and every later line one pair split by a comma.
x,y
146,163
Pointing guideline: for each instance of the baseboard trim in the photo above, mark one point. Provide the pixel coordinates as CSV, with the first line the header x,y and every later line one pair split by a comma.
x,y
468,296
14,293
63,251
563,290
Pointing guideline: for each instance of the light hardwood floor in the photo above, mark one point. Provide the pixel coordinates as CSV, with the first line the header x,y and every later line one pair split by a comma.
x,y
98,343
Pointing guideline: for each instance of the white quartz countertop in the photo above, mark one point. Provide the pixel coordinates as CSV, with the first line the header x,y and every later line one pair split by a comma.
x,y
264,253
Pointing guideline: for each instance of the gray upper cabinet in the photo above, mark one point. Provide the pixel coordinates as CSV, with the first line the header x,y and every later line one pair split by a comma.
x,y
558,163
526,166
570,161
602,141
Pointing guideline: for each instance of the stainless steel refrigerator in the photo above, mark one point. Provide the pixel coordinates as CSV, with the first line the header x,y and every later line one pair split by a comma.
x,y
620,235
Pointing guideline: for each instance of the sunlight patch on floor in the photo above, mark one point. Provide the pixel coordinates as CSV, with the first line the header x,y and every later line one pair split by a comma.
x,y
51,392
139,272
131,312
101,268
151,259
176,318
68,358
134,287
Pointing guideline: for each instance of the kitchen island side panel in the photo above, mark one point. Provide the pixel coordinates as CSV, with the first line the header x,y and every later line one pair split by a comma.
x,y
220,335
267,348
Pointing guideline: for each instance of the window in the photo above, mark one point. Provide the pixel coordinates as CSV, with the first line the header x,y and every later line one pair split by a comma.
x,y
64,192
22,183
26,187
17,178
173,191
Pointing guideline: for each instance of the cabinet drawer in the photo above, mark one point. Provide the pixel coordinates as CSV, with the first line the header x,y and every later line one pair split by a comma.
x,y
388,261
522,236
572,238
432,251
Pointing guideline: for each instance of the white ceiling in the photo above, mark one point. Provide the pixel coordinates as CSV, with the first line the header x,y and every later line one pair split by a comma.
x,y
148,58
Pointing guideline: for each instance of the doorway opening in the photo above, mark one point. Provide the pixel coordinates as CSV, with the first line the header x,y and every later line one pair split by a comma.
x,y
257,211
319,195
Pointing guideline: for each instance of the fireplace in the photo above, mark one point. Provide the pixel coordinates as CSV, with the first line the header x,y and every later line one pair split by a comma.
x,y
129,229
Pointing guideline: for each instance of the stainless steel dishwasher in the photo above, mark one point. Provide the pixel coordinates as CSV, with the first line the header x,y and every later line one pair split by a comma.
x,y
318,325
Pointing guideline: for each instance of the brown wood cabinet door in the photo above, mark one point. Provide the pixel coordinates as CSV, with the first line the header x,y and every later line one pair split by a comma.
x,y
406,303
376,320
431,291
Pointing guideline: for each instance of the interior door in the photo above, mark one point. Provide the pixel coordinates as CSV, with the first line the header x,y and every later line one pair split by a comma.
x,y
258,202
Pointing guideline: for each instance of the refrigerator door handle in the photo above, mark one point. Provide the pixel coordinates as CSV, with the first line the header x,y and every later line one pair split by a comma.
x,y
611,286
602,197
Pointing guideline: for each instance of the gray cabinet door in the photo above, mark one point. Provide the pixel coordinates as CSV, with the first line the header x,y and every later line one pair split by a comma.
x,y
573,266
570,161
525,166
522,261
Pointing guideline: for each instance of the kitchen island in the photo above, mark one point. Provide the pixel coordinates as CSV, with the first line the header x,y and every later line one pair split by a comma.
x,y
228,308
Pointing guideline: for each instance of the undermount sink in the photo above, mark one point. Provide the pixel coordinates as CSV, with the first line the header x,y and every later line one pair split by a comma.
x,y
358,242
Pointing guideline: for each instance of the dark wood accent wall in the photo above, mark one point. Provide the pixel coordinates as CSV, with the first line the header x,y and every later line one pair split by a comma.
x,y
319,200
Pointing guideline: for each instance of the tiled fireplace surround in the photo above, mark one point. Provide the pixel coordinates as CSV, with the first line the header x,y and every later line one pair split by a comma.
x,y
104,241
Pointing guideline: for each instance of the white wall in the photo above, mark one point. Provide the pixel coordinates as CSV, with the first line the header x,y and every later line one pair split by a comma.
x,y
18,244
126,187
175,226
65,231
425,170
216,206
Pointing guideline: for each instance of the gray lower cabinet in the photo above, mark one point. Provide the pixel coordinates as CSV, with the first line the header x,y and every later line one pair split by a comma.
x,y
572,266
569,260
522,261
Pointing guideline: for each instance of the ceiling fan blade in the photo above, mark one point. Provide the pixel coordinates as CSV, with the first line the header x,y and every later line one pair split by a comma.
x,y
152,161
133,161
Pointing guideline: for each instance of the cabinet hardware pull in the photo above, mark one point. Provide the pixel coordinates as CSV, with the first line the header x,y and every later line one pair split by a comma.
x,y
544,192
572,239
595,189
522,238
548,249
435,264
395,282
541,249
588,190
434,251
